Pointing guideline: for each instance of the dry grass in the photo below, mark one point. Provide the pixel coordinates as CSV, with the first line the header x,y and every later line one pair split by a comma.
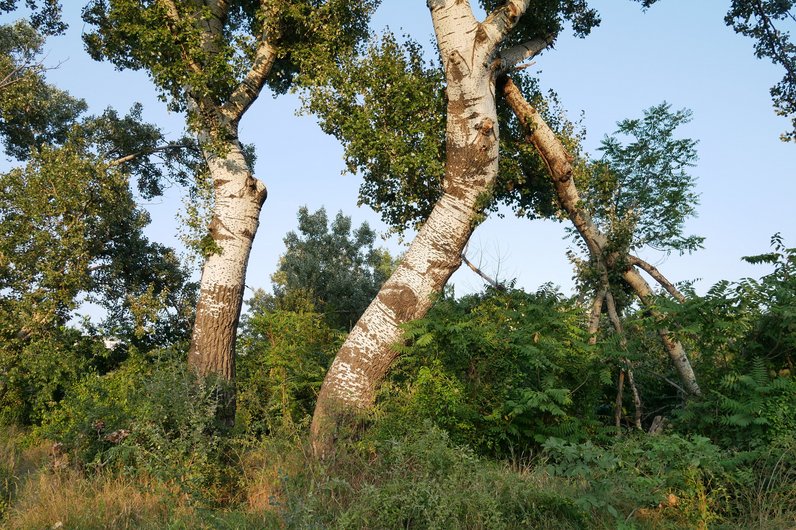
x,y
67,499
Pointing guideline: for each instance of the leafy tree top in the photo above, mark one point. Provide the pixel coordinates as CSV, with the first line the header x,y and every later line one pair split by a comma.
x,y
336,269
640,193
217,51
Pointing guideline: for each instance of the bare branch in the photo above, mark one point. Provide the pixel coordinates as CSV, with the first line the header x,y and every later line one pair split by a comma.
x,y
483,275
658,277
594,319
507,59
129,158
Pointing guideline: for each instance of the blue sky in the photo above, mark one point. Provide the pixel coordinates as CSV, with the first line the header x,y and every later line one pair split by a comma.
x,y
679,51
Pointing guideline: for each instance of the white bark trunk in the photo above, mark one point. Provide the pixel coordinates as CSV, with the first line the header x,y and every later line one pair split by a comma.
x,y
467,49
238,200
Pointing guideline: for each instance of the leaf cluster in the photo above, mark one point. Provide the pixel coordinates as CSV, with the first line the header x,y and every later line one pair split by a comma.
x,y
45,15
640,192
499,370
196,51
388,110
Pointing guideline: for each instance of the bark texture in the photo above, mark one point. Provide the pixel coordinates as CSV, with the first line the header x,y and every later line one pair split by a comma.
x,y
559,163
238,200
238,197
468,49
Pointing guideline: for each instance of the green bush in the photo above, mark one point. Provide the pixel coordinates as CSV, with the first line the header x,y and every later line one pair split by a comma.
x,y
422,481
283,357
149,418
641,472
498,371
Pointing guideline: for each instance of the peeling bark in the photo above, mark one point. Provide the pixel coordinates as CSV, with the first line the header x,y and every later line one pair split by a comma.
x,y
559,163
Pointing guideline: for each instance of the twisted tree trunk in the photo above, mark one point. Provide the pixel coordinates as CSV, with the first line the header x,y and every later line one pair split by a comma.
x,y
468,49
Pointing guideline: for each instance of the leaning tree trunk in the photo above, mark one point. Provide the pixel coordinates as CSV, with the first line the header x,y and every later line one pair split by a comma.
x,y
238,198
559,163
467,48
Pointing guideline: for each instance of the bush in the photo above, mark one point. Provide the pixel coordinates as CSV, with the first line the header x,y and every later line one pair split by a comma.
x,y
154,419
422,481
498,371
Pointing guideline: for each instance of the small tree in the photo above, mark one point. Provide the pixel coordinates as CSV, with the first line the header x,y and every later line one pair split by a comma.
x,y
338,269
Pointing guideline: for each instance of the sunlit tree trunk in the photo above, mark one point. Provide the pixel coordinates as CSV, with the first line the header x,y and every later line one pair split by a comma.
x,y
238,198
467,48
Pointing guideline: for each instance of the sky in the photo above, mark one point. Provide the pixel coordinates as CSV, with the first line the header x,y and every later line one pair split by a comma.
x,y
679,51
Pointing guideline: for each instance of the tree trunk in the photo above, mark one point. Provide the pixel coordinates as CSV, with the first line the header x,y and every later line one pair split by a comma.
x,y
673,347
467,48
559,163
238,199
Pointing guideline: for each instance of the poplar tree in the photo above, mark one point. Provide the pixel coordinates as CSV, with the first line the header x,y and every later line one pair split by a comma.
x,y
212,59
473,53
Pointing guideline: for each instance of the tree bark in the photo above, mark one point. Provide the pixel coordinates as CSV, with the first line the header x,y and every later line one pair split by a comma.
x,y
238,199
468,49
559,163
238,195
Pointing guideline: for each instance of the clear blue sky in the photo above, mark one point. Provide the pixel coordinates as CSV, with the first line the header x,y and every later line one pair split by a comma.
x,y
679,51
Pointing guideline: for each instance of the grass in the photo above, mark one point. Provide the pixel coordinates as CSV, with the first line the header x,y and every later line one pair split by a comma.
x,y
419,481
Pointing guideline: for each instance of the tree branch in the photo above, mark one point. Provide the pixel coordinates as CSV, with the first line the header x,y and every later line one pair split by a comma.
x,y
658,277
510,57
503,19
483,275
594,318
249,89
129,158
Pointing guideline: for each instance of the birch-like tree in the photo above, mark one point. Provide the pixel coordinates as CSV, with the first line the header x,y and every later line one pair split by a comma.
x,y
212,58
473,52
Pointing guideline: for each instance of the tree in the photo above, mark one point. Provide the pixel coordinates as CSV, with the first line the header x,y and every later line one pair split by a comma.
x,y
340,271
471,56
630,186
213,58
70,232
32,112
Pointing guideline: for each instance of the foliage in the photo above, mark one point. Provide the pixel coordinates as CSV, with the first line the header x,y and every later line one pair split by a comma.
x,y
32,112
186,61
640,193
45,15
151,417
422,480
70,226
499,371
283,357
647,471
388,109
745,333
339,271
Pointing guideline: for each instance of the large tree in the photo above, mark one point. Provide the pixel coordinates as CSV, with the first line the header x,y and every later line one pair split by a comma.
x,y
473,53
212,58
